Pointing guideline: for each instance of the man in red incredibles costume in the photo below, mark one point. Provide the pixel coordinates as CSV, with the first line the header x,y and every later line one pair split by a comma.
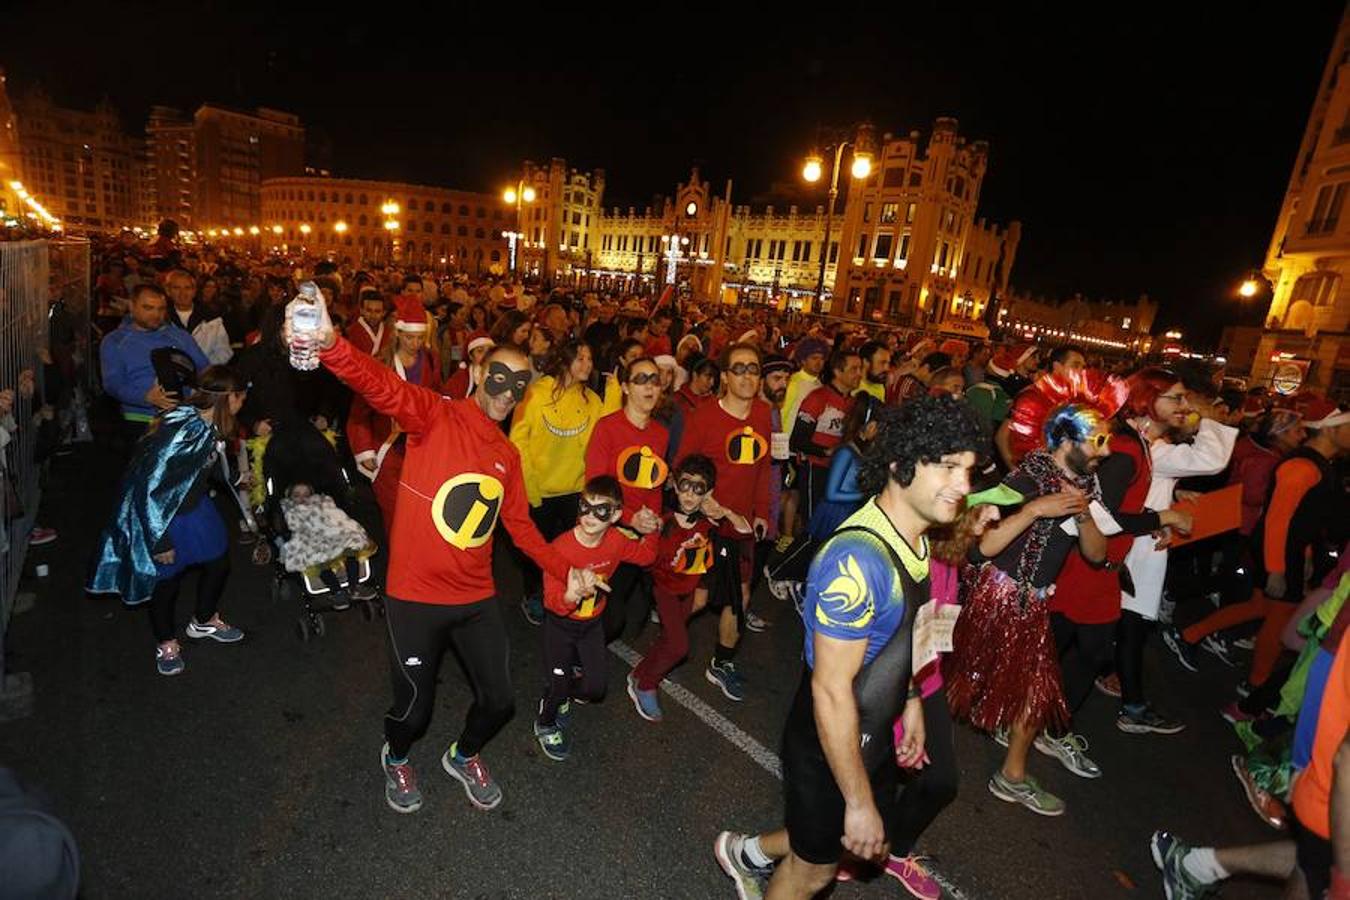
x,y
461,475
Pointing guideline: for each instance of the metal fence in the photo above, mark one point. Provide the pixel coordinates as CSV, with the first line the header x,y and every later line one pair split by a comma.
x,y
24,291
69,278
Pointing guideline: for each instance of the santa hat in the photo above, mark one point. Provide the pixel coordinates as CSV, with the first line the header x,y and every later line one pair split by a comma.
x,y
689,340
919,346
1255,405
1321,413
750,337
475,340
1008,358
508,300
412,316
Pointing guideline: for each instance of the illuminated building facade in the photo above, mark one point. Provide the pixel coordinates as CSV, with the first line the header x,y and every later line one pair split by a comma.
x,y
11,157
171,154
560,224
1308,261
81,165
1104,325
381,220
235,152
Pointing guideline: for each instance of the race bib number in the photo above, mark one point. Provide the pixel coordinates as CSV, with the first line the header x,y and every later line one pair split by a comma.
x,y
933,627
779,446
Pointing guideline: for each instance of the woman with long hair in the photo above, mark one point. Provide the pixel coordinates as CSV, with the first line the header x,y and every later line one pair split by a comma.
x,y
166,525
512,328
552,427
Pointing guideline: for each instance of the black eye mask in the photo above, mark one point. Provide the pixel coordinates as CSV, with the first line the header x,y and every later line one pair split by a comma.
x,y
502,378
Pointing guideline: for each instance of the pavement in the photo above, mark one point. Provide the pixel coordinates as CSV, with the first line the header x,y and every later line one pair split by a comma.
x,y
255,773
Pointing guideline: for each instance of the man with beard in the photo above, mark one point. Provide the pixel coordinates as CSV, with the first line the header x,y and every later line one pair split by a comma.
x,y
876,358
861,596
1004,669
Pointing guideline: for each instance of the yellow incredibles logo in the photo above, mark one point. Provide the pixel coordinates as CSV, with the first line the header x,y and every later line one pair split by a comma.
x,y
695,559
466,509
745,447
639,467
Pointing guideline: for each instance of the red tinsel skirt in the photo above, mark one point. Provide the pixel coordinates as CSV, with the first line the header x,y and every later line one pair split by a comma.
x,y
1003,667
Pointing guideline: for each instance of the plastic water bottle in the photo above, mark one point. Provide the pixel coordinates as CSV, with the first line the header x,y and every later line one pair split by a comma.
x,y
306,315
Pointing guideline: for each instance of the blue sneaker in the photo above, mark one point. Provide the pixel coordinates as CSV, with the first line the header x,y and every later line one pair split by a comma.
x,y
169,660
217,629
564,715
533,609
1169,855
725,676
646,702
553,741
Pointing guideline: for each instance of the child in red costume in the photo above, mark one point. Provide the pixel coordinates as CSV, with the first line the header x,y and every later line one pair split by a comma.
x,y
574,634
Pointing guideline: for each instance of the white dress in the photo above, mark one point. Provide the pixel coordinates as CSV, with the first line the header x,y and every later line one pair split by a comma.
x,y
1207,456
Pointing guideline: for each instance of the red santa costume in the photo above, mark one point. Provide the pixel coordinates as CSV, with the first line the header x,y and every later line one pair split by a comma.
x,y
461,384
375,437
372,341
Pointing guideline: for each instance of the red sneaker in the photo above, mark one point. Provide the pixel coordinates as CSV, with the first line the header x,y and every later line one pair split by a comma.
x,y
914,877
1233,714
1109,685
39,536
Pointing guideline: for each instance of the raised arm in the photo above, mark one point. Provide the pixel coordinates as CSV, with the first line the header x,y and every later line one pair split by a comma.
x,y
411,405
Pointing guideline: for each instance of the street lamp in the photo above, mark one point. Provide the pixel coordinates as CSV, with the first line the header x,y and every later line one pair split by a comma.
x,y
1249,288
673,243
340,227
305,229
517,196
812,170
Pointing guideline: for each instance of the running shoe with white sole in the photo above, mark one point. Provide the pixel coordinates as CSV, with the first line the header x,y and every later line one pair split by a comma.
x,y
1071,751
1108,685
749,880
1169,855
1026,793
1243,689
400,784
755,623
1268,808
1184,652
478,783
553,741
169,660
1000,736
1146,720
647,704
778,588
217,629
1245,643
725,676
1218,647
913,877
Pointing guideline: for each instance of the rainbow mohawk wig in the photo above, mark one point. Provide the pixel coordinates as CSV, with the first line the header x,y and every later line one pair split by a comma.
x,y
1063,407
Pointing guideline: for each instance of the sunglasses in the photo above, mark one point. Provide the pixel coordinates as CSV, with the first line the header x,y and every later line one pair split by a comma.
x,y
1175,398
645,378
691,486
744,369
601,512
1098,441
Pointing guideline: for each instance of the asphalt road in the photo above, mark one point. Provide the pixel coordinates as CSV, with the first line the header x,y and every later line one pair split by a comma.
x,y
254,774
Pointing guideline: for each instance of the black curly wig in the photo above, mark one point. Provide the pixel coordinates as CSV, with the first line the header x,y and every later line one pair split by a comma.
x,y
921,431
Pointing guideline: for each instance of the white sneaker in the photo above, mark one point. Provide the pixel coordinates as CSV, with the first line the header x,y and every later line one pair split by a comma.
x,y
1071,751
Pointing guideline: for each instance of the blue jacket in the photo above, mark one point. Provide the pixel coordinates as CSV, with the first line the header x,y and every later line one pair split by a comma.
x,y
127,373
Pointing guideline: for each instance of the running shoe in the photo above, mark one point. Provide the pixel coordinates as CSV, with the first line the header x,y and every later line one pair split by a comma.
x,y
39,536
1184,652
400,784
363,593
1000,736
553,741
478,782
1146,720
341,600
646,702
749,879
169,660
1267,807
1245,643
1028,793
1243,689
1108,685
779,588
755,623
1218,647
654,616
217,629
1169,855
1233,714
564,714
912,875
1071,750
533,609
725,676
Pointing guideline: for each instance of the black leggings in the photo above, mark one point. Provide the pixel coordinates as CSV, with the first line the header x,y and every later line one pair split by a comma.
x,y
333,583
1131,636
419,635
934,787
630,600
1084,650
552,517
569,643
210,588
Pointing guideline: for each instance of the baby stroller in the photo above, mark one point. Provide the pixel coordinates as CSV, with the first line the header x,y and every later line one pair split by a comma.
x,y
297,453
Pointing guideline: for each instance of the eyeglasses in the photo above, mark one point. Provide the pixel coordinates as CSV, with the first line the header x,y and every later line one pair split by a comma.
x,y
1099,440
691,486
601,512
645,378
744,369
1175,398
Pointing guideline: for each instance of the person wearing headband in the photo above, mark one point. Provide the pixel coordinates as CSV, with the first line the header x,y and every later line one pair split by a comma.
x,y
461,476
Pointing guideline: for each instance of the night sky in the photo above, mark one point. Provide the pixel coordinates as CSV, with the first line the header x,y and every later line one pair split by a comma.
x,y
1148,154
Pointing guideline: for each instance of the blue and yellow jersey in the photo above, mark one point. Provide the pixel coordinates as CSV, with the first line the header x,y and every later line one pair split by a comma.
x,y
853,591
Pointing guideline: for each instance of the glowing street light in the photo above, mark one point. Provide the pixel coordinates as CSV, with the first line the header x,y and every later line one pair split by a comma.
x,y
305,229
813,168
862,165
277,229
517,196
340,227
391,225
238,232
1249,288
390,208
254,230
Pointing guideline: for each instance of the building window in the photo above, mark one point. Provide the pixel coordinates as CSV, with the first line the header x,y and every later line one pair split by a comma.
x,y
862,247
479,233
496,256
412,203
480,212
895,177
1125,322
834,252
361,219
1326,212
462,231
445,228
888,211
915,178
948,220
428,227
363,200
806,251
909,213
882,249
867,212
445,209
463,210
959,188
942,258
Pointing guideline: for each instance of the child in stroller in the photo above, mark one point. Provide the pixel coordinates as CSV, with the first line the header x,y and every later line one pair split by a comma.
x,y
318,537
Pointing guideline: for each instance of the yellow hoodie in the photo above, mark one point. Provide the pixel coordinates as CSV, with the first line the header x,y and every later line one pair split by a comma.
x,y
551,433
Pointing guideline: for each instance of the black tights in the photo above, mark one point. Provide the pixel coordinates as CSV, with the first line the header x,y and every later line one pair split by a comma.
x,y
419,635
1084,650
933,789
1131,636
569,643
210,588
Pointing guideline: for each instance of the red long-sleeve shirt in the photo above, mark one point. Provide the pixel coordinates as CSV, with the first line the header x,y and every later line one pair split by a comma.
x,y
461,476
739,448
614,548
635,456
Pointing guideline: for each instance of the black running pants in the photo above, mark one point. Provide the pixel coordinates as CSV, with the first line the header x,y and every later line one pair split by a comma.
x,y
933,788
210,588
1084,651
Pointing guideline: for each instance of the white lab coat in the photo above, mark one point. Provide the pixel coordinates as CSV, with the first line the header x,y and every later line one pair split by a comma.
x,y
1207,456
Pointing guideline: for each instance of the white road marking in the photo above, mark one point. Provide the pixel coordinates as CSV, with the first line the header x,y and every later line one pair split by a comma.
x,y
763,756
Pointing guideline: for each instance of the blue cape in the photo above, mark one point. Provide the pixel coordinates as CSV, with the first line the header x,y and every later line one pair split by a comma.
x,y
162,471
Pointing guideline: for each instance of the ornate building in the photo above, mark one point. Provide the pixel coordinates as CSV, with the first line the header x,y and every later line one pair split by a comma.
x,y
1309,256
380,220
1104,325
